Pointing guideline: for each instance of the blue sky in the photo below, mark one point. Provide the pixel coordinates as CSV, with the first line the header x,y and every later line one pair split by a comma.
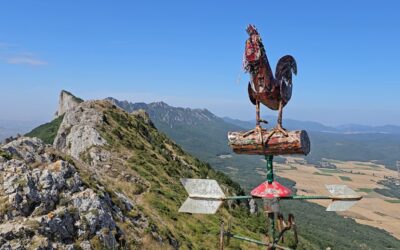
x,y
189,53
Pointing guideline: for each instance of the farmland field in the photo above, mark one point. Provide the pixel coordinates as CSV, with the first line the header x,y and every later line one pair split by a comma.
x,y
374,209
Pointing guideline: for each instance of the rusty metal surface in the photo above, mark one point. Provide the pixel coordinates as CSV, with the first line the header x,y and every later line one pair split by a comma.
x,y
272,90
266,87
295,142
271,190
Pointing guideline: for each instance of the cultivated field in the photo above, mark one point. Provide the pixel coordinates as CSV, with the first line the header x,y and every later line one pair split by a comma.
x,y
374,209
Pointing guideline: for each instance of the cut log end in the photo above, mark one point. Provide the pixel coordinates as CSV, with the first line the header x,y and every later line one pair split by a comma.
x,y
296,142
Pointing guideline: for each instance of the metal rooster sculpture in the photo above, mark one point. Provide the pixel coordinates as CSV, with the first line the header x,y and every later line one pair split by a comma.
x,y
272,91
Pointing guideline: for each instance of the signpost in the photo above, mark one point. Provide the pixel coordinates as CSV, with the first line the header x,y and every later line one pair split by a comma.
x,y
274,91
206,197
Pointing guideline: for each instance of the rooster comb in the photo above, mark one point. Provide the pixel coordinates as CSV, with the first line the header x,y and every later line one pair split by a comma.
x,y
251,29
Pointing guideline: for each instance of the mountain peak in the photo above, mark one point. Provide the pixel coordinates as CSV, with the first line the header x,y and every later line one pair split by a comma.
x,y
160,104
66,102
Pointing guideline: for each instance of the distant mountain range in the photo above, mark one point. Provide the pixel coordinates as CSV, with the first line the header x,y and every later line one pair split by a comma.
x,y
204,134
319,127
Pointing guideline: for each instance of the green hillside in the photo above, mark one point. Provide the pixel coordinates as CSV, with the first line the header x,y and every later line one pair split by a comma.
x,y
48,131
315,224
318,229
145,166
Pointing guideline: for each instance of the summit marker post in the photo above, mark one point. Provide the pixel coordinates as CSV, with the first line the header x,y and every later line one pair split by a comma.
x,y
274,91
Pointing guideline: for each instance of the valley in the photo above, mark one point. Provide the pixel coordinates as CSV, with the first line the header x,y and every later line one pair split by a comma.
x,y
373,210
203,134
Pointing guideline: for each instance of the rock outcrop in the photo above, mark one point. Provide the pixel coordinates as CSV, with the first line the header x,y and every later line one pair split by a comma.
x,y
67,101
44,203
77,131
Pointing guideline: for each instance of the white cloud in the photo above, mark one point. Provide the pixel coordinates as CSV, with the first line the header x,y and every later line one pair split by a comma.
x,y
27,60
15,54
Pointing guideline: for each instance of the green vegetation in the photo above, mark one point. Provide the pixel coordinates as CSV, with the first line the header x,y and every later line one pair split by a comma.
x,y
328,229
140,150
384,148
393,201
328,170
48,131
5,154
365,190
159,164
77,99
391,189
345,178
318,173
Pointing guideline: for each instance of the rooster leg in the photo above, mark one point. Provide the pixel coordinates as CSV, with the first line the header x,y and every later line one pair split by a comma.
x,y
278,127
258,126
258,121
257,113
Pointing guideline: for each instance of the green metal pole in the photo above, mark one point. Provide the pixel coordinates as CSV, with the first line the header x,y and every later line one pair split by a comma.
x,y
244,197
307,197
270,179
258,242
270,169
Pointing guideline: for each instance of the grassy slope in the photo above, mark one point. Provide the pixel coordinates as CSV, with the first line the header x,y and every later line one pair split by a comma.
x,y
315,224
48,131
161,163
310,217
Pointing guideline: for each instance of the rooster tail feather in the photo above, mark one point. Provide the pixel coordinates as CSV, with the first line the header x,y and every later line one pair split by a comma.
x,y
285,68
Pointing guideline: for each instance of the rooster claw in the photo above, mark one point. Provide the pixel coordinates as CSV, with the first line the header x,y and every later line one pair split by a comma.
x,y
277,129
282,130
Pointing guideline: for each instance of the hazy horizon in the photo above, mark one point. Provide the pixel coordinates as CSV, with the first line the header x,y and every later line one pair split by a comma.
x,y
265,112
186,55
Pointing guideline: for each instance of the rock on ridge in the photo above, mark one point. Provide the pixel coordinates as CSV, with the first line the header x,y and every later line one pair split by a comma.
x,y
77,131
66,102
45,205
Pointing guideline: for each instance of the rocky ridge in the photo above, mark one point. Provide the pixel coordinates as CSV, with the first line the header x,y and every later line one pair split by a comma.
x,y
109,181
46,205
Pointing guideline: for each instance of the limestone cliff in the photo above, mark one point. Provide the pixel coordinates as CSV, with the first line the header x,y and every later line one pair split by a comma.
x,y
67,101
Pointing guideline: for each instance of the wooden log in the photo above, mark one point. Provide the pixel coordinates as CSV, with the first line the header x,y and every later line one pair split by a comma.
x,y
296,142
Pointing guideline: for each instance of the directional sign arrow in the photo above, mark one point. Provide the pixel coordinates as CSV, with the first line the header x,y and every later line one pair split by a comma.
x,y
343,197
206,196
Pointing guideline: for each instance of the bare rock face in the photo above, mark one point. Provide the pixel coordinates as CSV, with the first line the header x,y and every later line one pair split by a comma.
x,y
44,203
77,132
66,102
